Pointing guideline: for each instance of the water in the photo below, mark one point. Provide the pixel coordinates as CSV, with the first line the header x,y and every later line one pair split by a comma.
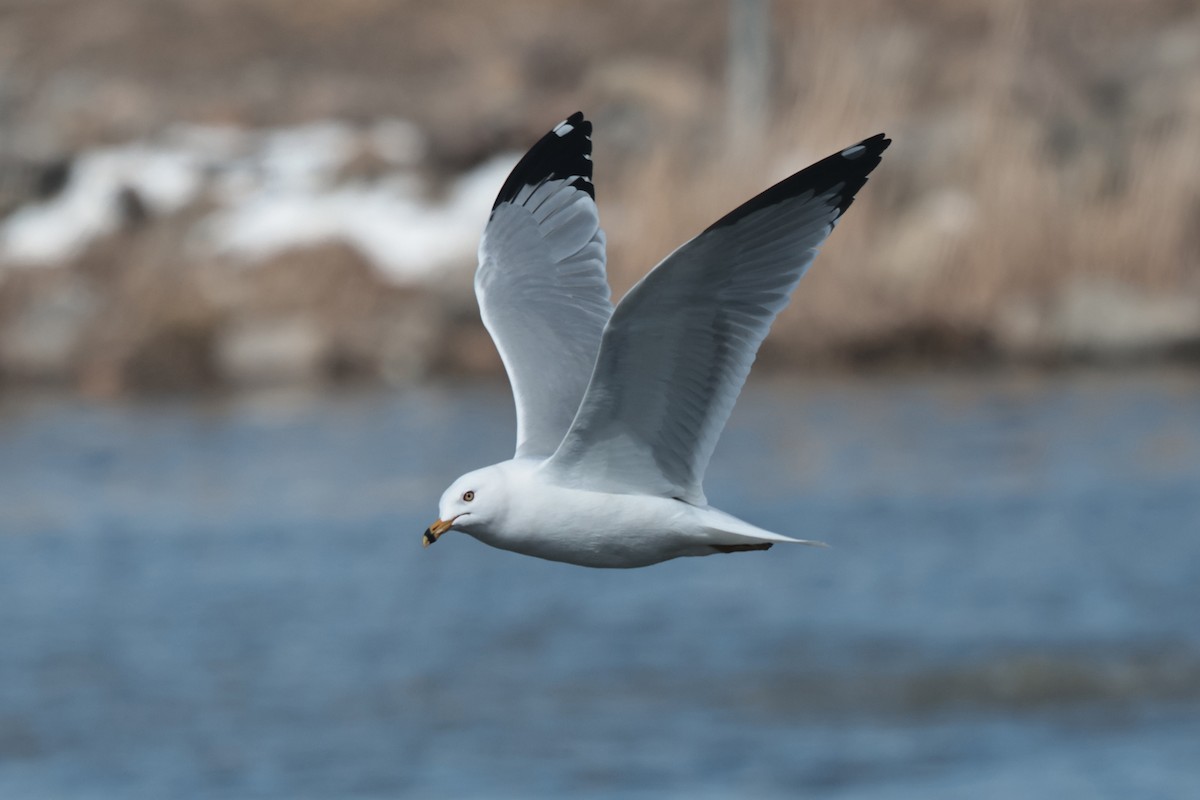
x,y
230,600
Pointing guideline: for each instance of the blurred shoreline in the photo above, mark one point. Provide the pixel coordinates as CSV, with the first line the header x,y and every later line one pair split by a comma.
x,y
204,195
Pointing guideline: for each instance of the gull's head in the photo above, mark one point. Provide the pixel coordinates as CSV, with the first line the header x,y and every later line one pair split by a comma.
x,y
472,503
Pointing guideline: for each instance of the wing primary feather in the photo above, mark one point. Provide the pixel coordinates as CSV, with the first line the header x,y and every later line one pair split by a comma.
x,y
556,155
842,173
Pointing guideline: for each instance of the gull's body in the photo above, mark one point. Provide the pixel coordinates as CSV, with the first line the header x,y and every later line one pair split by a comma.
x,y
538,517
618,410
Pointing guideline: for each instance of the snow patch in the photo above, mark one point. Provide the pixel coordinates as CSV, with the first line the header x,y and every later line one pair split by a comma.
x,y
402,234
274,190
164,179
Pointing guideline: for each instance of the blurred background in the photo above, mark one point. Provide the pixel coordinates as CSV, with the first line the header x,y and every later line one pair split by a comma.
x,y
240,359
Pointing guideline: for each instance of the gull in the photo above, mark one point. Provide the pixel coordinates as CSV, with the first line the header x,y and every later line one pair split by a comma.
x,y
619,409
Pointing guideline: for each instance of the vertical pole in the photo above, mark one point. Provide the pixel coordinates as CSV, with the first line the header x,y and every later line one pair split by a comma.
x,y
748,70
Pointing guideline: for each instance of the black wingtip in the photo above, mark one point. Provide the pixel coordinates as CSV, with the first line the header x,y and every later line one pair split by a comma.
x,y
564,152
848,168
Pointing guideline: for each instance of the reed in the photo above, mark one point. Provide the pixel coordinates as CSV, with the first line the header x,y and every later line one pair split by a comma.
x,y
1041,150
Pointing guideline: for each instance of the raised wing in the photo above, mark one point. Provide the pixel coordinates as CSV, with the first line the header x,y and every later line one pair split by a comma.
x,y
541,285
680,344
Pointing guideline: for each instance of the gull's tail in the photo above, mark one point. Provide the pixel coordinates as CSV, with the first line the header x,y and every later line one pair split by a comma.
x,y
726,533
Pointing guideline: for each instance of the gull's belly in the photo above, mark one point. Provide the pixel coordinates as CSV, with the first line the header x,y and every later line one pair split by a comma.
x,y
598,529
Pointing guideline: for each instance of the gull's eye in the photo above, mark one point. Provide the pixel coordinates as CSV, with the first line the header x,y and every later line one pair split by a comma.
x,y
468,496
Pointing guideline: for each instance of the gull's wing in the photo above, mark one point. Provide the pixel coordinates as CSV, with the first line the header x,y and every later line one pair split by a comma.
x,y
542,291
679,345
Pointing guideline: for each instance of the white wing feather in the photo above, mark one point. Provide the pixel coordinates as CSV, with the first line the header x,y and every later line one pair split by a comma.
x,y
678,348
541,284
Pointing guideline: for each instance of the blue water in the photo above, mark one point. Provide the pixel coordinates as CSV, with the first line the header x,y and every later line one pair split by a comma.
x,y
229,599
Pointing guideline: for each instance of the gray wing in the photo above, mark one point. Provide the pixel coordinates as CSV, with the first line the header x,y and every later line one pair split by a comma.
x,y
542,291
679,346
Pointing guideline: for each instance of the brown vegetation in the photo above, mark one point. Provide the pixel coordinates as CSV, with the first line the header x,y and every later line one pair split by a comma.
x,y
1041,200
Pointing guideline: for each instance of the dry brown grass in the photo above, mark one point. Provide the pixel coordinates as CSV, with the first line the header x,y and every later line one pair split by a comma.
x,y
1037,145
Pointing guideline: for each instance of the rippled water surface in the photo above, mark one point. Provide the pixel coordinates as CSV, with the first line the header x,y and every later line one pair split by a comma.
x,y
230,600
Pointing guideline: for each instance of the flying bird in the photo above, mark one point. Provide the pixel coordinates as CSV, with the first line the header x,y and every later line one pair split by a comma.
x,y
619,409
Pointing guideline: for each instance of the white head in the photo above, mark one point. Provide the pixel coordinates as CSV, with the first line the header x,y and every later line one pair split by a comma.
x,y
473,504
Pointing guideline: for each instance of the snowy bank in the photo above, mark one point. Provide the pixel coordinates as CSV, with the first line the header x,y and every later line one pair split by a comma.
x,y
268,191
